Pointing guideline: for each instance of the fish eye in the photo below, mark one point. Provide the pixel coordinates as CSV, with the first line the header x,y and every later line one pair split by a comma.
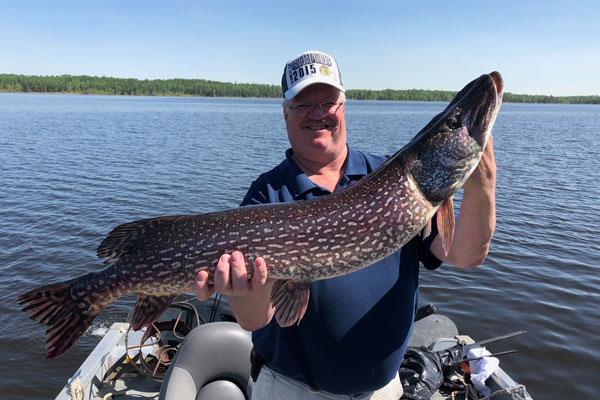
x,y
453,122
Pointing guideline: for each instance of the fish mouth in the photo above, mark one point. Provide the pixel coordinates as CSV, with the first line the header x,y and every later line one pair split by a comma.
x,y
475,106
445,152
481,99
498,82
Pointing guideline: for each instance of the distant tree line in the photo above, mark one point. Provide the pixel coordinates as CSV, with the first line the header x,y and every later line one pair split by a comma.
x,y
401,95
84,84
529,98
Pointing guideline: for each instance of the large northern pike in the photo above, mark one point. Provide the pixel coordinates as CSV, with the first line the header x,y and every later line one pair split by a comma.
x,y
301,242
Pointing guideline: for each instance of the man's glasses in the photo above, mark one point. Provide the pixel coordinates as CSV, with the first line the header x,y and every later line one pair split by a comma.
x,y
327,107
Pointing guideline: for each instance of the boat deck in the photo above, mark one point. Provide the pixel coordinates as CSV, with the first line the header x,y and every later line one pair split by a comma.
x,y
129,387
108,373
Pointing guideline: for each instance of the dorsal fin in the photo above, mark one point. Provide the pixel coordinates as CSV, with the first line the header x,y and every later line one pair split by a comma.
x,y
126,237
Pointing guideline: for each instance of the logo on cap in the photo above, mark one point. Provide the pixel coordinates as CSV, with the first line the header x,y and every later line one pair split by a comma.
x,y
325,70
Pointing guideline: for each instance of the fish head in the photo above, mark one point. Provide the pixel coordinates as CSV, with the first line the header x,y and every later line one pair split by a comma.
x,y
444,154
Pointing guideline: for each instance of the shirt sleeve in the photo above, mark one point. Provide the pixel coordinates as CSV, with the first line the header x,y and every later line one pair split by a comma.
x,y
427,258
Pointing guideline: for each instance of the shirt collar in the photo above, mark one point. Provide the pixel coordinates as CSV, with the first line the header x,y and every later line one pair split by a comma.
x,y
355,164
300,184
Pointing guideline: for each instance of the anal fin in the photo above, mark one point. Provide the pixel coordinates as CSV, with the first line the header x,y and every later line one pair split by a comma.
x,y
445,224
148,309
290,300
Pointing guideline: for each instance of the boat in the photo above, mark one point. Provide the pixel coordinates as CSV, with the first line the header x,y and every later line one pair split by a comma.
x,y
196,350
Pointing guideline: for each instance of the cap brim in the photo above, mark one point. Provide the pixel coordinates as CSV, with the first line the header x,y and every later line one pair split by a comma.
x,y
300,86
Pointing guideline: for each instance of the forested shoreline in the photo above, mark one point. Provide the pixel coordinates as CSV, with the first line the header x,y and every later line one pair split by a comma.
x,y
83,84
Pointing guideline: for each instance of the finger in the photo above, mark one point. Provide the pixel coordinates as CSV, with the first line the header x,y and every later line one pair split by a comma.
x,y
259,279
221,281
239,275
200,287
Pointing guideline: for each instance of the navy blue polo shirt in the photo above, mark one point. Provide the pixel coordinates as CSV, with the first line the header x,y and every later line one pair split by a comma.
x,y
356,327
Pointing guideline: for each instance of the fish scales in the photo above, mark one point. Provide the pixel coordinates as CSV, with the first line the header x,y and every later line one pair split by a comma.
x,y
257,235
301,242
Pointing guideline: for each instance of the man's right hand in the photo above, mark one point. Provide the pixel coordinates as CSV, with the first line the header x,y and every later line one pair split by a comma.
x,y
231,277
250,300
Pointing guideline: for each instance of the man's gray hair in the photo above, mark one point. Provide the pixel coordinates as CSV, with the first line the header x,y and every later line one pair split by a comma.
x,y
341,99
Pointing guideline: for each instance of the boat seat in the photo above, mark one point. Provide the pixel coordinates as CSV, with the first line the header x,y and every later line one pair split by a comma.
x,y
212,363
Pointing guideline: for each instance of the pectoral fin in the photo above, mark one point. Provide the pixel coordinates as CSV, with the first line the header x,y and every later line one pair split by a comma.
x,y
290,300
148,309
426,230
445,224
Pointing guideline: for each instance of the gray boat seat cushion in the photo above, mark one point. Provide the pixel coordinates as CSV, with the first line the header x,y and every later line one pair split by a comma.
x,y
213,362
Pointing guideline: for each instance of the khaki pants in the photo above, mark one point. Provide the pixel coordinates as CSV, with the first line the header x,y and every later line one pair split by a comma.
x,y
274,386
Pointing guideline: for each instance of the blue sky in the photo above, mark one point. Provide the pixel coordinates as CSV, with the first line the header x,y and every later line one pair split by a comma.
x,y
545,47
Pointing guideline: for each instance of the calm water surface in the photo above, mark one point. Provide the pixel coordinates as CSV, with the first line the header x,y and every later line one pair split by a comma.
x,y
74,167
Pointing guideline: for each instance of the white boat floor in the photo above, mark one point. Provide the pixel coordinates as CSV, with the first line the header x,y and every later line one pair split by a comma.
x,y
129,387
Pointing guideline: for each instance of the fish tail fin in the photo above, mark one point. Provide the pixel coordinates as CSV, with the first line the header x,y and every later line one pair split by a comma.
x,y
67,314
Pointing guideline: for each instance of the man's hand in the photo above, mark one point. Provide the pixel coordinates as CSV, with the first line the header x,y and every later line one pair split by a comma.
x,y
476,222
484,176
231,277
250,300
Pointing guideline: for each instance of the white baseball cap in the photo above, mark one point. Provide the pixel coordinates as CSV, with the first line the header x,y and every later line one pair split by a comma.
x,y
307,69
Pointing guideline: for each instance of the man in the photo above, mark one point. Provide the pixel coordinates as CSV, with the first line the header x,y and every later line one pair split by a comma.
x,y
355,330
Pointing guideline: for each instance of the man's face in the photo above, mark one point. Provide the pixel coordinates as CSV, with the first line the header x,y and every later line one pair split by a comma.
x,y
316,136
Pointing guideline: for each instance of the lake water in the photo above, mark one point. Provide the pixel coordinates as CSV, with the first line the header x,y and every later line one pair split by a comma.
x,y
73,167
